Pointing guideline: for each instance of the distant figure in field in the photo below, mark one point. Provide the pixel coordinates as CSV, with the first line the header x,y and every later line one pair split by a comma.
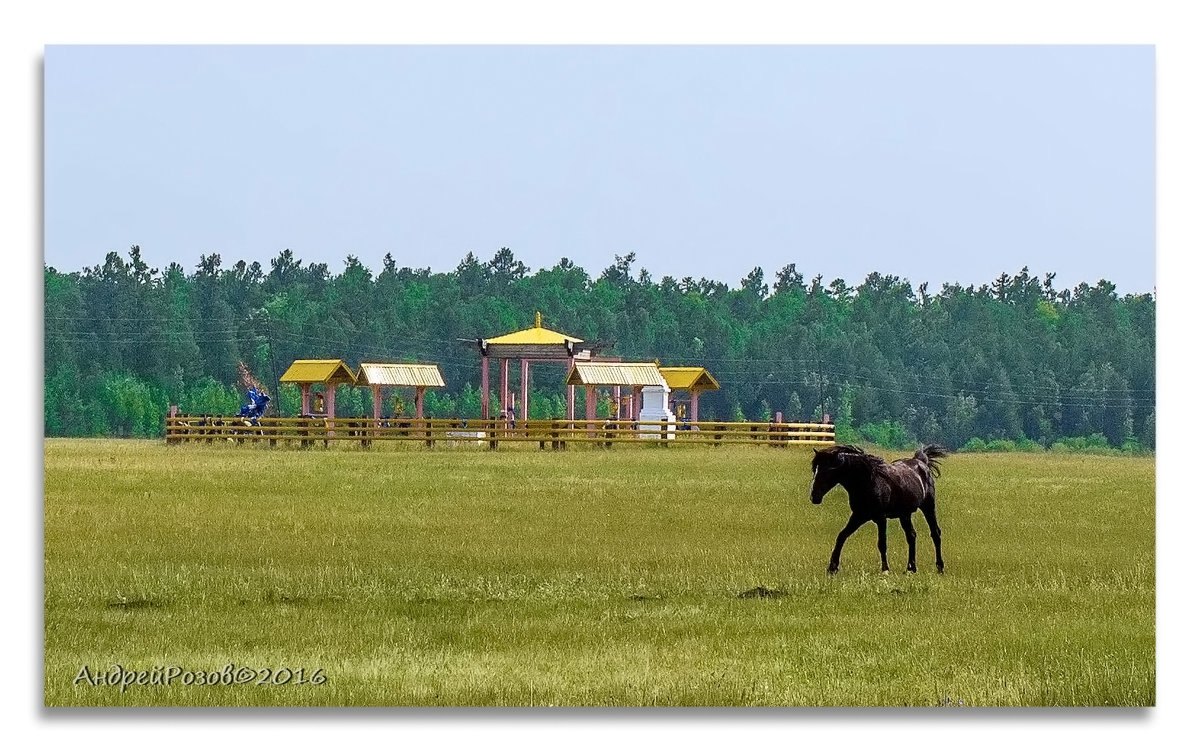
x,y
257,405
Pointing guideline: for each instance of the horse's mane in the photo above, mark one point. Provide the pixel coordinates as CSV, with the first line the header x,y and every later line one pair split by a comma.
x,y
843,448
854,453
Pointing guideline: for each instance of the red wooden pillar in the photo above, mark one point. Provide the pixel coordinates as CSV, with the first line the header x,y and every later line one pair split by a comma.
x,y
570,392
504,403
420,402
378,401
304,387
635,404
589,403
483,398
524,389
330,403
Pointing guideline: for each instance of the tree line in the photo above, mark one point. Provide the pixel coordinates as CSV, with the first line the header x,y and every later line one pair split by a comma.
x,y
1013,360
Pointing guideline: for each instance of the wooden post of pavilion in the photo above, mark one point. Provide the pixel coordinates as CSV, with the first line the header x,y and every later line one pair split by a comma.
x,y
504,401
524,389
484,388
589,403
571,395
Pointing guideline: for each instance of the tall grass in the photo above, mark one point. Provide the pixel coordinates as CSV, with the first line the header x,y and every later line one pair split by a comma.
x,y
465,577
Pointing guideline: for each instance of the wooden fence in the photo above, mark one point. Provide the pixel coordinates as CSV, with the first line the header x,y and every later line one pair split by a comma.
x,y
553,434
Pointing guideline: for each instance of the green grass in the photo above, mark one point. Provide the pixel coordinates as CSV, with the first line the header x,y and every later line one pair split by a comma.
x,y
465,577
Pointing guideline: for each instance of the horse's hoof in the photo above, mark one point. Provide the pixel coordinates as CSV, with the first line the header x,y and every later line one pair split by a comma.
x,y
885,572
832,571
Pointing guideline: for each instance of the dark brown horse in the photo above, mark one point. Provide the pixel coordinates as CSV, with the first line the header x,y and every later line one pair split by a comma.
x,y
880,491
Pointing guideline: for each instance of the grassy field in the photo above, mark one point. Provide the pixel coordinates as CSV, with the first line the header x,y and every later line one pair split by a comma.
x,y
465,577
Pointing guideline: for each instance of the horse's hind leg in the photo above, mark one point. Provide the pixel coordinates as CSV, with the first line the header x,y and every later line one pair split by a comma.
x,y
881,522
930,512
851,526
910,534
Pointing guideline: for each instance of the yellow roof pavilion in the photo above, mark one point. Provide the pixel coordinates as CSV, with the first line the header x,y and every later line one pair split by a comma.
x,y
534,336
614,374
399,374
318,371
697,379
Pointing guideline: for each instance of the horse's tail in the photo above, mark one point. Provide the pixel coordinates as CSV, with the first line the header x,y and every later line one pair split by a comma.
x,y
930,456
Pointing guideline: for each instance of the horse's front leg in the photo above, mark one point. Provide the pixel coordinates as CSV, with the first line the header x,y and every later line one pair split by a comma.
x,y
881,522
910,533
851,526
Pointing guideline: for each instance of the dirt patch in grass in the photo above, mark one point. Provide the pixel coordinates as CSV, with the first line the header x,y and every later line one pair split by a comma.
x,y
762,593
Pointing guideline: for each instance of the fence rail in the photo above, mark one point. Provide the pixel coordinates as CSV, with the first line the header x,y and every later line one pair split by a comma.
x,y
555,434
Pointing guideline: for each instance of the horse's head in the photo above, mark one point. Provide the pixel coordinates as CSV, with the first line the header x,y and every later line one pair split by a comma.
x,y
828,467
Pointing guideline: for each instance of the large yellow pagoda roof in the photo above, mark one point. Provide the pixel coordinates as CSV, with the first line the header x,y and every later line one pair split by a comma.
x,y
535,335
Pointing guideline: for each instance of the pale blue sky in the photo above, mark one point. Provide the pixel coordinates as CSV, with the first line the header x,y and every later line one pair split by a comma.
x,y
936,164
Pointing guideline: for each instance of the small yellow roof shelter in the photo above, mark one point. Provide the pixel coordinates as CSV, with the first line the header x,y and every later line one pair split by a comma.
x,y
330,373
376,375
689,378
693,380
634,375
318,371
